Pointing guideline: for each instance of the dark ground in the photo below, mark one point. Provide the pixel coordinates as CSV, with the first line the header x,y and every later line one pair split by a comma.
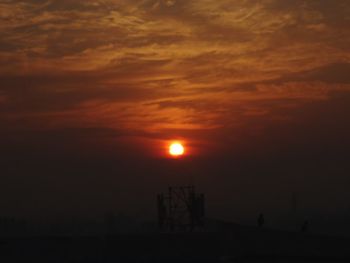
x,y
229,243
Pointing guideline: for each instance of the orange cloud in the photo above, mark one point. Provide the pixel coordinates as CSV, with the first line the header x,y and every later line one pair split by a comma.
x,y
161,67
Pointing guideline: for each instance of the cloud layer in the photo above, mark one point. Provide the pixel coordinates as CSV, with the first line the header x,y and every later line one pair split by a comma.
x,y
152,66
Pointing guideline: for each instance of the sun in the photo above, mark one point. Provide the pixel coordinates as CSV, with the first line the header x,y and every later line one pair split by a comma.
x,y
176,149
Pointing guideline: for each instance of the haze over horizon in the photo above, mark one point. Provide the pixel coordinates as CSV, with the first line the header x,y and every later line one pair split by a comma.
x,y
91,93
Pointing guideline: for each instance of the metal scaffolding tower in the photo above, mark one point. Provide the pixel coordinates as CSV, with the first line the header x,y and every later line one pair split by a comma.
x,y
181,209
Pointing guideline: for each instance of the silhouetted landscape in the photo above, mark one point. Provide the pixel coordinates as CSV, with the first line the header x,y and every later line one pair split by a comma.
x,y
182,234
217,242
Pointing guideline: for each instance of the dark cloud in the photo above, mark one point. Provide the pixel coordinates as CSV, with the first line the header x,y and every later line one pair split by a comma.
x,y
329,74
337,73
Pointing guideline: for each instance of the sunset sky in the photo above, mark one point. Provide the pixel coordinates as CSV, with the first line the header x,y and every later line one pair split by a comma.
x,y
259,91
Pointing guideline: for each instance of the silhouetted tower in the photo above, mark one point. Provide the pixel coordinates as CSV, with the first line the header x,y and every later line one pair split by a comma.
x,y
181,209
294,204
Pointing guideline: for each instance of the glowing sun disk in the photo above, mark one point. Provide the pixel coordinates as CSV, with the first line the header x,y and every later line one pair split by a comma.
x,y
176,149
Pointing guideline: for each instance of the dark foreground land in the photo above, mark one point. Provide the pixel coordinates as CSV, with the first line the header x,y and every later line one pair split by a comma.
x,y
231,243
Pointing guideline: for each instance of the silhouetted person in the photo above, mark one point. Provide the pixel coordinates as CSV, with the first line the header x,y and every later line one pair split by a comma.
x,y
305,226
261,220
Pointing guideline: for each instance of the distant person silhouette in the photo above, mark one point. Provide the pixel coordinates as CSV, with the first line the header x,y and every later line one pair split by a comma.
x,y
305,226
261,220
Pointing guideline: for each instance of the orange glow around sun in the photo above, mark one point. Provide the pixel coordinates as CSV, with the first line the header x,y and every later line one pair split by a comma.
x,y
176,149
